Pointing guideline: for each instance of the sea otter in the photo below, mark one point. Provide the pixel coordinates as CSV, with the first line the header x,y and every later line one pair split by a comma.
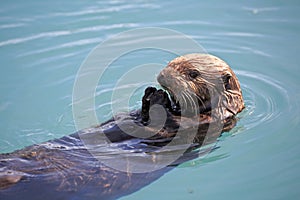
x,y
199,99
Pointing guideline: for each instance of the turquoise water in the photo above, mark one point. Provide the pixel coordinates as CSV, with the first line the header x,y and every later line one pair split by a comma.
x,y
42,45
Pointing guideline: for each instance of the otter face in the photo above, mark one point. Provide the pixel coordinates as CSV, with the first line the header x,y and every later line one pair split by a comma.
x,y
205,77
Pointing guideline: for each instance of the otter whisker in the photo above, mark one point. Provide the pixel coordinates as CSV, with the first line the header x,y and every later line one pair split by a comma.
x,y
190,103
192,100
201,101
183,99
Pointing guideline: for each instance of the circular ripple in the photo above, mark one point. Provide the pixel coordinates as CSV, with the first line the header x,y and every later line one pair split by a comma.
x,y
265,99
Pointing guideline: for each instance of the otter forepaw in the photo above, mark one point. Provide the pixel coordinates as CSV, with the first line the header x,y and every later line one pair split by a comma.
x,y
160,97
153,96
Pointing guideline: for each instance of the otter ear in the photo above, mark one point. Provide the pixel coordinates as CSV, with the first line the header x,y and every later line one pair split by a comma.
x,y
226,79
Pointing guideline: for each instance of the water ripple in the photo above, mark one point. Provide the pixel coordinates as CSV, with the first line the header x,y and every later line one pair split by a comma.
x,y
66,32
260,10
6,26
239,34
34,37
256,51
265,98
105,10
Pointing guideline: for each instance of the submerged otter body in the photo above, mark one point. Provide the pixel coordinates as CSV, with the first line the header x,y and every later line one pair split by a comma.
x,y
202,96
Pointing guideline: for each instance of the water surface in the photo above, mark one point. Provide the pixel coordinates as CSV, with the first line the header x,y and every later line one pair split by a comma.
x,y
42,45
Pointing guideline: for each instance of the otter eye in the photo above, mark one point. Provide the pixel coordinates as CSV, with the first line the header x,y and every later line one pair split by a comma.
x,y
194,74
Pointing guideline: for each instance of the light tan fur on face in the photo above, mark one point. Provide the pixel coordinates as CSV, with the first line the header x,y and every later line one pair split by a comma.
x,y
215,82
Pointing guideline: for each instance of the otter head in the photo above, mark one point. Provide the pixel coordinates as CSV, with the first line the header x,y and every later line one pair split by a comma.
x,y
203,78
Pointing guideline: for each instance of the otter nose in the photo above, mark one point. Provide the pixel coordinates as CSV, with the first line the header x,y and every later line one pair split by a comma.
x,y
162,79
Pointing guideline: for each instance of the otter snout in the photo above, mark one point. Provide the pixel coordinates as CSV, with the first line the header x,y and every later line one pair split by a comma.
x,y
166,78
161,79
